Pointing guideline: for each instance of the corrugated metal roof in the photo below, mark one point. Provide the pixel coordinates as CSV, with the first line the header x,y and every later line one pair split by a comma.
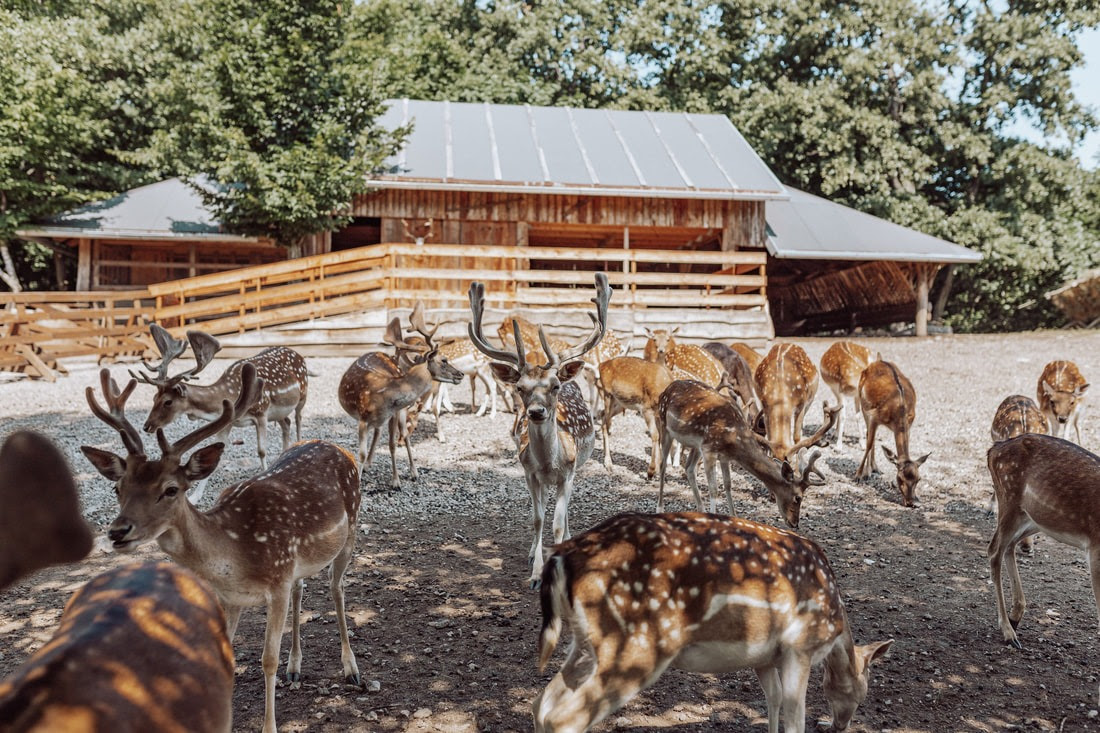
x,y
168,209
498,147
810,227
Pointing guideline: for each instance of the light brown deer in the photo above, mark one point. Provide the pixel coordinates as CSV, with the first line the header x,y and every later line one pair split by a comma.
x,y
283,371
630,383
1015,416
686,361
262,536
887,398
1060,394
554,432
463,356
786,382
1043,484
125,637
378,389
642,593
714,428
751,356
841,365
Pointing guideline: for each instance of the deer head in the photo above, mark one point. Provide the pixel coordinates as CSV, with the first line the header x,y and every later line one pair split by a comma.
x,y
171,397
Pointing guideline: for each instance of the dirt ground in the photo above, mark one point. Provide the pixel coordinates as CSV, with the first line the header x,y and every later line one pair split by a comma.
x,y
445,627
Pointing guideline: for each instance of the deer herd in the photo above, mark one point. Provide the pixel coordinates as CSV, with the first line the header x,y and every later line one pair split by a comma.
x,y
702,591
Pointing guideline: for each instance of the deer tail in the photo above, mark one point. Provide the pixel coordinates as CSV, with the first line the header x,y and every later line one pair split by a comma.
x,y
554,595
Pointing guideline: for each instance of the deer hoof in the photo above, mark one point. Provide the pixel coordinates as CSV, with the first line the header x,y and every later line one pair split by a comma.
x,y
1016,643
536,583
353,679
1014,623
295,680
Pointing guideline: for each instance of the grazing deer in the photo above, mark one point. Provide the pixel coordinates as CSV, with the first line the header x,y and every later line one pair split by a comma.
x,y
141,647
738,374
786,382
378,389
714,428
1043,484
40,520
841,365
1060,395
1015,416
887,398
642,593
464,356
630,383
686,361
261,537
751,356
282,370
554,432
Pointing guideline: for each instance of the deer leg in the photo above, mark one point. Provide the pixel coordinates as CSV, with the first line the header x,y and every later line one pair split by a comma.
x,y
773,694
294,662
561,511
655,449
867,465
611,409
298,419
435,411
538,514
285,425
277,606
794,674
726,482
676,451
364,456
1010,528
712,486
261,440
840,416
691,462
561,708
339,566
404,426
395,481
1076,423
666,443
232,618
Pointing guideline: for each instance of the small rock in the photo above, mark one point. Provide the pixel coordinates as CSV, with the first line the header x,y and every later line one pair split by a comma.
x,y
423,713
374,686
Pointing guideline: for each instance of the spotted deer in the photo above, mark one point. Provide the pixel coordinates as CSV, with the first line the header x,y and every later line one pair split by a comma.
x,y
714,428
261,537
786,382
1015,416
463,356
378,389
751,356
686,361
642,593
554,432
887,398
738,375
1060,394
630,383
283,371
841,365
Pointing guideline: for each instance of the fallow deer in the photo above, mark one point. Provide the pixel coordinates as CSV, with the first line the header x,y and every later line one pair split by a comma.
x,y
464,356
554,433
841,365
738,374
285,380
751,356
1015,416
686,361
714,428
786,382
1060,394
377,389
887,398
261,537
642,593
630,383
141,647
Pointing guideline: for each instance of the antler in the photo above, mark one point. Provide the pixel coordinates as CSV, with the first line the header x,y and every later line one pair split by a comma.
x,y
830,420
203,345
599,325
477,309
809,469
115,414
417,321
250,391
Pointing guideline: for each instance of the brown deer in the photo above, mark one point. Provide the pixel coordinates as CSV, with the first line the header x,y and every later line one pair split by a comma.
x,y
1043,484
751,356
686,361
887,398
714,428
125,637
463,356
642,593
630,383
1015,416
554,432
283,371
378,389
841,365
738,374
1060,394
261,537
786,382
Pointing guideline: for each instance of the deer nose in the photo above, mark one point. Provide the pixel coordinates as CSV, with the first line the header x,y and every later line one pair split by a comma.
x,y
1063,420
118,532
537,413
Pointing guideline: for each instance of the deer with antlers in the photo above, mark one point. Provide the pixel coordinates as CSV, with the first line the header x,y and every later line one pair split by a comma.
x,y
713,427
841,366
887,398
378,389
642,593
1060,394
554,431
285,388
261,537
786,382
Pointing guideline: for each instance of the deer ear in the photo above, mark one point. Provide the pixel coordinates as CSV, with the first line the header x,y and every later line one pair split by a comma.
x,y
890,456
868,654
920,461
505,372
1082,389
108,464
570,369
1047,389
203,462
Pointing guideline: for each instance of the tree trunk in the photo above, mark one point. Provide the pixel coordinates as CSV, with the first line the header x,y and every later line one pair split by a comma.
x,y
945,292
7,273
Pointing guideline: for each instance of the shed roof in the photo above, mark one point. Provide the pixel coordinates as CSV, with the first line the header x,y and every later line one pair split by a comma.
x,y
564,150
810,227
168,209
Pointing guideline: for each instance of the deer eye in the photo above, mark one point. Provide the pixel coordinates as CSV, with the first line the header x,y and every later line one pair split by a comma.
x,y
169,492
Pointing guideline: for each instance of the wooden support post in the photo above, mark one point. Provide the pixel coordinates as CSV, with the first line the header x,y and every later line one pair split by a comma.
x,y
925,275
84,265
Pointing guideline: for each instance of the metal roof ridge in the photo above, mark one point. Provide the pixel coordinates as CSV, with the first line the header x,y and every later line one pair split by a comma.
x,y
676,163
714,159
494,153
626,148
538,145
595,178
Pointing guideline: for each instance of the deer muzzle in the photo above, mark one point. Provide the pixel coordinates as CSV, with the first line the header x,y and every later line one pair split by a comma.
x,y
538,413
119,532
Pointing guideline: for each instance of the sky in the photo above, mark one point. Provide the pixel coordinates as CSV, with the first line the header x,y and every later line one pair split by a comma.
x,y
1086,86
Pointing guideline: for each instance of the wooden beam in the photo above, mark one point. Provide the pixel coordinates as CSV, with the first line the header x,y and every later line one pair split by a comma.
x,y
84,264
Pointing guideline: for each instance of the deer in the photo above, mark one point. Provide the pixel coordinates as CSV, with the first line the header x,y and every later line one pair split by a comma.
x,y
786,382
630,383
282,370
464,356
1060,394
261,537
751,356
714,428
738,374
642,593
122,637
378,389
887,398
841,365
554,432
1015,416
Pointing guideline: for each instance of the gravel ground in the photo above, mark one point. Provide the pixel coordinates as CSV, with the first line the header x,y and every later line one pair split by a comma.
x,y
445,625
